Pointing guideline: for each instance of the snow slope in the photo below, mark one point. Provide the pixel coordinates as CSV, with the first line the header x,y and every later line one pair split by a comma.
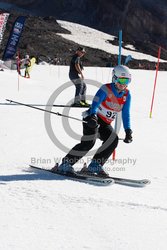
x,y
42,211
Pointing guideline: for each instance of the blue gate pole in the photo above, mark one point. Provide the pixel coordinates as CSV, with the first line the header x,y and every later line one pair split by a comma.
x,y
120,47
119,63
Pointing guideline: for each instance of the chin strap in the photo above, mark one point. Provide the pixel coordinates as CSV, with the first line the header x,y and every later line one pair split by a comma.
x,y
116,87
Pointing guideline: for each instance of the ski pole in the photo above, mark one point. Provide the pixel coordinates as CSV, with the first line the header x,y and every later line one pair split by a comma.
x,y
32,104
51,112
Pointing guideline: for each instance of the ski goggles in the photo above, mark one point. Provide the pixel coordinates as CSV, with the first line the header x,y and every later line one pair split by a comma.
x,y
123,80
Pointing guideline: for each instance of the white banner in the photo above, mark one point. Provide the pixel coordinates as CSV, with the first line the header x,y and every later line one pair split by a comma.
x,y
3,21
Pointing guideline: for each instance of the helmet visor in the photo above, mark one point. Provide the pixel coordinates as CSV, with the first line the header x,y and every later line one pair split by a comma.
x,y
123,80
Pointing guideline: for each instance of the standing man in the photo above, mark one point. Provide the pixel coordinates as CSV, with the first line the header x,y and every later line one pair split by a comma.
x,y
110,99
76,76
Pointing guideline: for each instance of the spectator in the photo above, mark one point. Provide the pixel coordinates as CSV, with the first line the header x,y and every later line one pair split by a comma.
x,y
77,77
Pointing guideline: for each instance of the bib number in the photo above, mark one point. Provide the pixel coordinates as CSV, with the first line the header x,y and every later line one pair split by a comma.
x,y
111,114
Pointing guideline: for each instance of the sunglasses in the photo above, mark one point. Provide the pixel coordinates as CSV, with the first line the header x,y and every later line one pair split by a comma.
x,y
123,80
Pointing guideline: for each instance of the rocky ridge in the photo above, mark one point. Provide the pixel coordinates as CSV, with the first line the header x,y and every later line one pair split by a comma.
x,y
40,39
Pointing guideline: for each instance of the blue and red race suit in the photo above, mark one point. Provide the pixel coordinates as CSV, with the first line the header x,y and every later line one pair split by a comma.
x,y
108,102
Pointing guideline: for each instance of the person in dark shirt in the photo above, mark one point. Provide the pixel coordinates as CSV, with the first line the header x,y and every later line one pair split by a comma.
x,y
76,76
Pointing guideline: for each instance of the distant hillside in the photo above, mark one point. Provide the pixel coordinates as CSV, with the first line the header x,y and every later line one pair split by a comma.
x,y
141,20
40,39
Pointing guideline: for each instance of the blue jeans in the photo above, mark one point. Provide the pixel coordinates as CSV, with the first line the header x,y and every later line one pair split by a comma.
x,y
80,92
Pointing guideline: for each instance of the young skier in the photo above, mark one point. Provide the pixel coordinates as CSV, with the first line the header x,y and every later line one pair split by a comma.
x,y
110,99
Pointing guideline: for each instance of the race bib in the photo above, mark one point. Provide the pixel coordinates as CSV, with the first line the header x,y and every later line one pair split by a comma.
x,y
108,115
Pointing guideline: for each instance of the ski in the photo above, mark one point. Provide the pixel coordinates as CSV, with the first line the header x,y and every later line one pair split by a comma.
x,y
131,182
100,180
43,105
124,181
68,106
80,177
128,182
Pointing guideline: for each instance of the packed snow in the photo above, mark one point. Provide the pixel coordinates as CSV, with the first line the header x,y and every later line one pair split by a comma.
x,y
39,210
42,211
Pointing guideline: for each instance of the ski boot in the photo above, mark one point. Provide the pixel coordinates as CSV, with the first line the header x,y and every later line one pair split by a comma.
x,y
94,169
65,168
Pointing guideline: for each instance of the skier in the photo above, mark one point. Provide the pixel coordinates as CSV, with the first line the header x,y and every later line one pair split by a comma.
x,y
18,64
76,76
27,64
109,99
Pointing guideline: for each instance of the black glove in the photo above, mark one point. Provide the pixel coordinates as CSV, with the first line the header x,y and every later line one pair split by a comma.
x,y
128,136
92,121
